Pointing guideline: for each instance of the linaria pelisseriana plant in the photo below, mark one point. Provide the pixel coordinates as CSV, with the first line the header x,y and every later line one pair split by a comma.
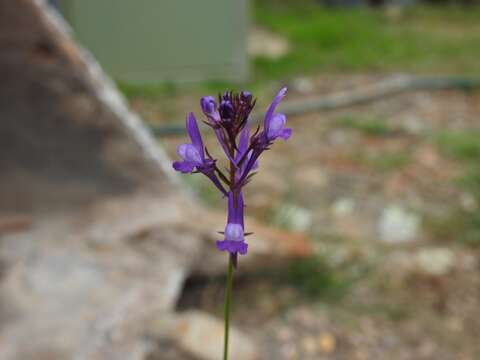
x,y
229,118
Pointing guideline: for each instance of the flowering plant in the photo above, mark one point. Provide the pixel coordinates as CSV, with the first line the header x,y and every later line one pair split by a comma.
x,y
229,119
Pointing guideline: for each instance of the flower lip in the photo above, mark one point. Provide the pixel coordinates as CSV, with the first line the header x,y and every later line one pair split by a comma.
x,y
194,134
189,153
271,109
234,232
276,125
233,247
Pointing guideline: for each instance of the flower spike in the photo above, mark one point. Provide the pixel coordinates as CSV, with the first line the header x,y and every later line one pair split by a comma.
x,y
228,117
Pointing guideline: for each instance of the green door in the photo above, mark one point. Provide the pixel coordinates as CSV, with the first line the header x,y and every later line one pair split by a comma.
x,y
149,41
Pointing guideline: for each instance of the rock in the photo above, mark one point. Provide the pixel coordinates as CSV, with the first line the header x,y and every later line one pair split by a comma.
x,y
413,125
303,317
339,137
426,349
326,343
269,190
343,207
78,283
311,176
262,43
397,225
309,345
94,301
468,202
435,261
427,156
293,217
202,336
289,351
303,85
284,334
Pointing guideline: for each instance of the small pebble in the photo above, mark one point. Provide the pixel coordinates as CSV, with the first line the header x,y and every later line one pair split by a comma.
x,y
327,343
309,345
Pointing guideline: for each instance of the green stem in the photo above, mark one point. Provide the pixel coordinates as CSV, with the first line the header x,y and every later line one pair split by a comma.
x,y
228,298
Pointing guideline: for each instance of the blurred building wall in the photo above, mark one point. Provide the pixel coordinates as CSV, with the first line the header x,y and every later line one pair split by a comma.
x,y
150,41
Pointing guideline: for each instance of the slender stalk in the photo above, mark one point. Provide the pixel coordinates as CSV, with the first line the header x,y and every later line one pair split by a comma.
x,y
228,299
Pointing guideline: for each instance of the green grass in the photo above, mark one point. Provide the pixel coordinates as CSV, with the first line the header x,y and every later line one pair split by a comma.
x,y
456,225
389,161
375,127
463,145
470,180
459,224
421,39
383,162
314,278
367,126
148,92
442,39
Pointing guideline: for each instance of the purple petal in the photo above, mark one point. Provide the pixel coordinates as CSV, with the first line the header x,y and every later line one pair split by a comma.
x,y
233,246
235,211
189,153
234,232
276,125
243,142
272,107
224,146
208,105
194,133
251,163
285,133
183,166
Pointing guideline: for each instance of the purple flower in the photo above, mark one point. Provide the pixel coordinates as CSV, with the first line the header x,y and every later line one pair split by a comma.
x,y
244,153
229,120
193,155
209,108
274,124
234,236
273,128
276,128
228,117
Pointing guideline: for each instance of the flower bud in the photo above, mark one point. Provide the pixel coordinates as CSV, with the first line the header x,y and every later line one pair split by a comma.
x,y
246,97
226,109
209,105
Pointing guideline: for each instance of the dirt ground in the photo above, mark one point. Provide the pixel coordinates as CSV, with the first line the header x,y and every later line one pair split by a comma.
x,y
377,189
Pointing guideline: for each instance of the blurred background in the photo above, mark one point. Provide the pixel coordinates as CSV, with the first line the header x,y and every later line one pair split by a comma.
x,y
381,175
